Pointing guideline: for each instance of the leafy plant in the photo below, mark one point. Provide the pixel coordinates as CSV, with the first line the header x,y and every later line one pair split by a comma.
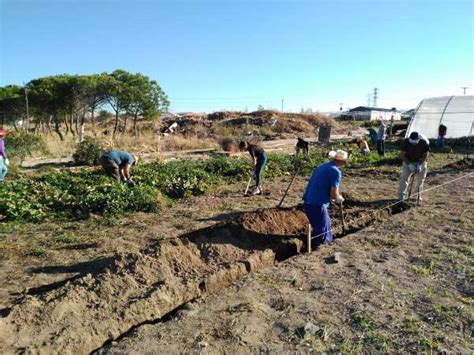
x,y
23,144
88,151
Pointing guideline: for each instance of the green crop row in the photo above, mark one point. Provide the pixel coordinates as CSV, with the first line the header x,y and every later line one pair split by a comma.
x,y
65,194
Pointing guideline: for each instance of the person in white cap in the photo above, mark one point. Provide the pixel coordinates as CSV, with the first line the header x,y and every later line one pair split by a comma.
x,y
414,153
322,187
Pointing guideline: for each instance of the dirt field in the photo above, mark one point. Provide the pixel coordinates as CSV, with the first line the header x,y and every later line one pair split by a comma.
x,y
207,276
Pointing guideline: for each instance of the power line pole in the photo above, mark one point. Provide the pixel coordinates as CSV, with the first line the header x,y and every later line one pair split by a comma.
x,y
375,96
369,96
281,105
464,89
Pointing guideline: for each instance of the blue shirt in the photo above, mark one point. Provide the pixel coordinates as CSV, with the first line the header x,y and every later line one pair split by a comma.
x,y
324,177
120,157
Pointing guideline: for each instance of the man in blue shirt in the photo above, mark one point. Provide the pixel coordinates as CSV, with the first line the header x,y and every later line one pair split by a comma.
x,y
117,164
322,187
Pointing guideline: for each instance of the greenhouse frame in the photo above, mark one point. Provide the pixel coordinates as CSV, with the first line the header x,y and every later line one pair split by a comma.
x,y
454,112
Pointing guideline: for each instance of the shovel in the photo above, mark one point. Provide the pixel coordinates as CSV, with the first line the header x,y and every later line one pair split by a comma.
x,y
342,219
288,188
247,188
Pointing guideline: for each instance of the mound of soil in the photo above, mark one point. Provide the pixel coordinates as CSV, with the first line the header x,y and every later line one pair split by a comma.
x,y
82,314
466,163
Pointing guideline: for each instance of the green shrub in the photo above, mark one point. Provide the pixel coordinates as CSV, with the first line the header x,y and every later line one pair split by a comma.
x,y
23,144
88,152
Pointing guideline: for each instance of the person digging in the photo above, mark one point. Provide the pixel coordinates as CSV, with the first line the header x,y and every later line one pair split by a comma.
x,y
259,159
414,153
323,186
117,164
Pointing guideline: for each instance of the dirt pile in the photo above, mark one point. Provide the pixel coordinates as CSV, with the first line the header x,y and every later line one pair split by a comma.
x,y
84,313
466,163
203,125
81,315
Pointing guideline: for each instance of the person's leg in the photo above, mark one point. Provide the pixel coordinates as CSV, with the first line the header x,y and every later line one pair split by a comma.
x,y
111,168
420,180
318,217
402,187
379,147
258,171
3,169
383,147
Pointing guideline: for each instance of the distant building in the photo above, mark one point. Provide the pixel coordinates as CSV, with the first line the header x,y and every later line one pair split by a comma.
x,y
363,113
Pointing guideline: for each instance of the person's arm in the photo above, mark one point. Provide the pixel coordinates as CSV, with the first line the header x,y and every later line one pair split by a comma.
x,y
424,157
403,156
335,192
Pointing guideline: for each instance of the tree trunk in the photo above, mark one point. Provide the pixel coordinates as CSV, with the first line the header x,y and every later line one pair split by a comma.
x,y
125,124
67,124
93,120
76,123
81,131
135,118
71,124
116,122
57,125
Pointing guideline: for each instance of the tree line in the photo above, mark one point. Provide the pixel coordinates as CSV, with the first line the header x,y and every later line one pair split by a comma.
x,y
63,103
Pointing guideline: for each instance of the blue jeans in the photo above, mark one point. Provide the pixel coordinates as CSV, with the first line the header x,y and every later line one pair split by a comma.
x,y
318,217
259,170
3,168
440,142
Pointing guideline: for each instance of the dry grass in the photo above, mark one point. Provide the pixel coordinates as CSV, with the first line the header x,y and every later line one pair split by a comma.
x,y
145,142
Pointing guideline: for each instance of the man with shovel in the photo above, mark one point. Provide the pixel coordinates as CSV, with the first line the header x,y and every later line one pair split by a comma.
x,y
322,187
414,153
259,159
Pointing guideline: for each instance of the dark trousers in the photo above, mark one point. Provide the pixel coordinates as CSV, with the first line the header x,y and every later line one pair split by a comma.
x,y
381,146
111,168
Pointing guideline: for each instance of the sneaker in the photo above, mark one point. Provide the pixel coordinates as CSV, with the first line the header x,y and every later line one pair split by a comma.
x,y
257,191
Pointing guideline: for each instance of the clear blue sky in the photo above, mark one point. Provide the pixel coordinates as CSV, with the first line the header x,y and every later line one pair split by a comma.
x,y
223,54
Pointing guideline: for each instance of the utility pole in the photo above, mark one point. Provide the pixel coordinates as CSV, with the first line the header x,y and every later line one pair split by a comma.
x,y
464,89
282,105
369,96
375,96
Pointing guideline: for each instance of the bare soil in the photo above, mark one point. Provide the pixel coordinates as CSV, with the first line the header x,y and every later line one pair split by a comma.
x,y
161,283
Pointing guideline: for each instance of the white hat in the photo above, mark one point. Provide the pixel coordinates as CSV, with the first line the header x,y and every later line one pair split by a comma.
x,y
338,155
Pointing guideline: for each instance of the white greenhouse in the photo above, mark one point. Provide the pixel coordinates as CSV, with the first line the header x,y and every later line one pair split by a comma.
x,y
454,112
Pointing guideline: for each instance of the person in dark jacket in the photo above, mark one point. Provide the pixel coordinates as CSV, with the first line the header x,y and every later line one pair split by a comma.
x,y
414,154
259,159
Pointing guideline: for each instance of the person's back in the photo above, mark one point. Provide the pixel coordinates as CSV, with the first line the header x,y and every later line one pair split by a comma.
x,y
319,186
414,152
120,157
381,132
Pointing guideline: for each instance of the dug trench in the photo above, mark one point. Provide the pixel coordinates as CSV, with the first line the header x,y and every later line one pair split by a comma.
x,y
90,310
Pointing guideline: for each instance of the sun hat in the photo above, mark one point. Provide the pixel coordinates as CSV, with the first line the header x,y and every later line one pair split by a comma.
x,y
339,155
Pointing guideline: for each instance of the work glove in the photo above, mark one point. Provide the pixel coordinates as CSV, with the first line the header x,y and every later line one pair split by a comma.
x,y
412,167
130,183
7,162
417,168
339,200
